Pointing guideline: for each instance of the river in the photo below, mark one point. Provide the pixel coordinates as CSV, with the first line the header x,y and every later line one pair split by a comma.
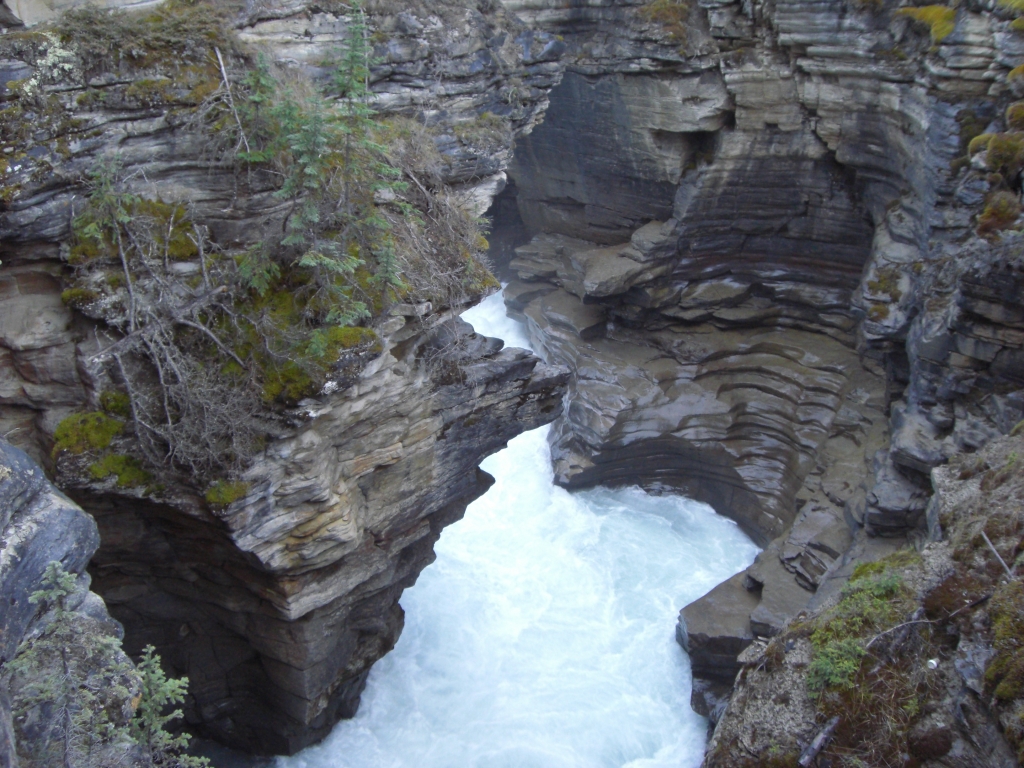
x,y
543,635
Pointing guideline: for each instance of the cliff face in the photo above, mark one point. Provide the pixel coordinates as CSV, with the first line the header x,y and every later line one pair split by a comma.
x,y
274,603
40,526
755,246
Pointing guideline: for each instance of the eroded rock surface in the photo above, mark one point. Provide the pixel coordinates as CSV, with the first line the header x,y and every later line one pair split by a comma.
x,y
763,271
276,605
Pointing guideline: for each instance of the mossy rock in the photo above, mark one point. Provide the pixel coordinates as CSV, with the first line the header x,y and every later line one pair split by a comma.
x,y
81,432
127,469
941,19
116,403
221,493
1005,674
1015,116
78,297
979,143
287,383
897,561
1001,211
671,15
878,312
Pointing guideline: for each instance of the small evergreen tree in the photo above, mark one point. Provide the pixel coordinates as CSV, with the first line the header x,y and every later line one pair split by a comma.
x,y
77,701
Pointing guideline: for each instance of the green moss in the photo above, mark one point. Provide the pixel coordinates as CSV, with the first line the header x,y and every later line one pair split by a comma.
x,y
287,383
83,432
78,297
898,560
1001,211
1005,674
1006,153
224,492
878,312
886,282
979,143
1015,116
149,92
339,339
941,19
116,403
126,469
91,98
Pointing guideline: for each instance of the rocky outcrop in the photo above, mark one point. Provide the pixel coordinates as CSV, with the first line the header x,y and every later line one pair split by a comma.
x,y
275,604
40,526
944,637
761,266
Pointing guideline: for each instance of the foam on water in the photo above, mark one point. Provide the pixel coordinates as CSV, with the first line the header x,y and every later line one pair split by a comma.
x,y
542,637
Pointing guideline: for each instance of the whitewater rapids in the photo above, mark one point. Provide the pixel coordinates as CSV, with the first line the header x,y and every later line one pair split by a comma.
x,y
543,635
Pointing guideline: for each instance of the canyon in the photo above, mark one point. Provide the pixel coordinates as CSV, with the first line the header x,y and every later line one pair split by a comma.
x,y
744,238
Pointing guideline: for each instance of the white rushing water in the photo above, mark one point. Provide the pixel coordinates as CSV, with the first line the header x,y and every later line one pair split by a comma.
x,y
543,635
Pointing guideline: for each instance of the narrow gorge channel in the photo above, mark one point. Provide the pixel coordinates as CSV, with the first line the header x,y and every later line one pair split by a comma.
x,y
542,635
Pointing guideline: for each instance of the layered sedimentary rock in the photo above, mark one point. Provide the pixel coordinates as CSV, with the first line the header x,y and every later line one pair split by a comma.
x,y
276,604
763,271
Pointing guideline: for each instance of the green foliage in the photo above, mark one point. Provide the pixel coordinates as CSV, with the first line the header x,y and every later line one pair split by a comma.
x,y
177,33
331,164
1005,674
58,585
257,270
869,603
71,687
941,19
77,700
81,432
127,469
224,492
149,727
835,664
207,346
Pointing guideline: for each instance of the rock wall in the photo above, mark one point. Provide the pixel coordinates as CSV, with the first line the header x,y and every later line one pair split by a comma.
x,y
761,265
276,605
40,526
